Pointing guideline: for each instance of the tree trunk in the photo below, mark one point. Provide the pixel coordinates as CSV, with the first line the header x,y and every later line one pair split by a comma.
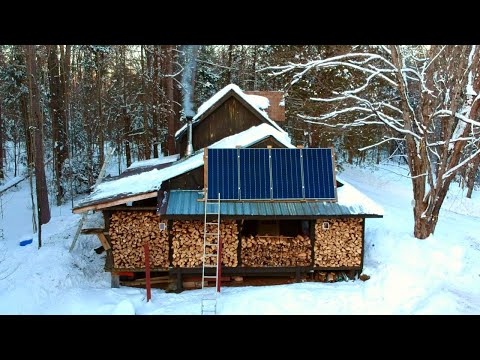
x,y
170,98
1,142
471,174
57,115
1,128
423,228
126,117
101,142
146,146
229,65
254,67
155,114
26,127
36,117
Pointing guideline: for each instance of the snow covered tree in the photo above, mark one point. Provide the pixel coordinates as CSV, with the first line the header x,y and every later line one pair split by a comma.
x,y
427,100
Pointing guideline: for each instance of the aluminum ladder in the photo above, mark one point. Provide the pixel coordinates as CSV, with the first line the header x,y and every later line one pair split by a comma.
x,y
211,238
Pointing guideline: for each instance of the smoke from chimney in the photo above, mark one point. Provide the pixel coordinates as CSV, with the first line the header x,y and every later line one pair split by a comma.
x,y
188,76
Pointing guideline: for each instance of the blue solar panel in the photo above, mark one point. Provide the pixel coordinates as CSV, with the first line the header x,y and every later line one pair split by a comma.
x,y
318,173
223,174
275,174
286,174
254,174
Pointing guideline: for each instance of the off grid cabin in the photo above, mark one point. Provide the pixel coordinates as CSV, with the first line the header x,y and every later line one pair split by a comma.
x,y
279,232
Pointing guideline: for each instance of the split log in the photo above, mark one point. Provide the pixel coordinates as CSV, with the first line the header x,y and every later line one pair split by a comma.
x,y
339,245
187,243
129,230
260,251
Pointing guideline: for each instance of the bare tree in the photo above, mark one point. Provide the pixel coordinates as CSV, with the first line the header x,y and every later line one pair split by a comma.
x,y
428,100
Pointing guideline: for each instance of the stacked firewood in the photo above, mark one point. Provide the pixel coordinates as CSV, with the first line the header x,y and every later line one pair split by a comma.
x,y
276,251
338,242
187,243
129,230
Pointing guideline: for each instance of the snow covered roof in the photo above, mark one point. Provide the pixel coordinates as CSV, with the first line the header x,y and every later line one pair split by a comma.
x,y
154,162
357,202
258,104
150,181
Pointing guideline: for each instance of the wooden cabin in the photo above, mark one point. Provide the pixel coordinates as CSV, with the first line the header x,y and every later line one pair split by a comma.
x,y
162,204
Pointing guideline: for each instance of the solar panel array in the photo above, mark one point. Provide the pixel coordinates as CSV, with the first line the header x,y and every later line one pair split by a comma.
x,y
271,174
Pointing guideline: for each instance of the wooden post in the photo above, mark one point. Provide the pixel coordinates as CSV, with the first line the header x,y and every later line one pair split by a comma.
x,y
239,247
170,241
312,240
363,244
115,283
147,271
179,281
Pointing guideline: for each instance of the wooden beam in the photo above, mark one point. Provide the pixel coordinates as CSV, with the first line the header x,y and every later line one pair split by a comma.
x,y
104,241
91,231
133,208
115,202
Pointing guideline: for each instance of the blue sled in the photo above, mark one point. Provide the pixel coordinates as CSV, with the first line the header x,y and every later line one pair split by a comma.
x,y
26,242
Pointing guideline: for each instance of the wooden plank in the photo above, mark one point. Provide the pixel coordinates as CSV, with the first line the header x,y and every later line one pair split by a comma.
x,y
143,282
91,231
115,202
103,240
134,208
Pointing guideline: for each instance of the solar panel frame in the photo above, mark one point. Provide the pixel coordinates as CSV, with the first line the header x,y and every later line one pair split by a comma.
x,y
254,162
286,174
319,176
224,182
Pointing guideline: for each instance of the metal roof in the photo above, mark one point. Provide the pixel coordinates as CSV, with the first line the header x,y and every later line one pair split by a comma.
x,y
182,203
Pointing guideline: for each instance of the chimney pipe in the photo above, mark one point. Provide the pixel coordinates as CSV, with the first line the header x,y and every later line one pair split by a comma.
x,y
189,144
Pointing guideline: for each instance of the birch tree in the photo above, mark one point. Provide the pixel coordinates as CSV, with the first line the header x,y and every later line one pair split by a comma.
x,y
429,100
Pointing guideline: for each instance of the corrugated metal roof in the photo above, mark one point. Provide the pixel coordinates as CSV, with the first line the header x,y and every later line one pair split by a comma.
x,y
185,203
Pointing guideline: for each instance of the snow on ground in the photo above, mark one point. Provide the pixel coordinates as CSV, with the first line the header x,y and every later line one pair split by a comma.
x,y
439,275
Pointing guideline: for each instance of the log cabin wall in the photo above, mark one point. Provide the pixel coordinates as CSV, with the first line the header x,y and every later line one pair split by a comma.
x,y
230,118
191,180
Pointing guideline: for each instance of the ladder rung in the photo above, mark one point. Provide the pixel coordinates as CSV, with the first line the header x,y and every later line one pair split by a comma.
x,y
212,213
211,244
209,277
210,255
209,266
212,223
209,299
211,234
